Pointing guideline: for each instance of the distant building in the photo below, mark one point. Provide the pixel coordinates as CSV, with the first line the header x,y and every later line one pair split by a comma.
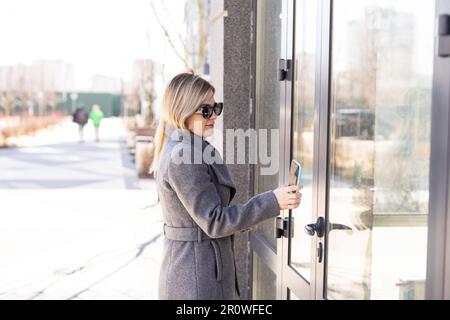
x,y
110,103
102,83
34,87
41,75
52,75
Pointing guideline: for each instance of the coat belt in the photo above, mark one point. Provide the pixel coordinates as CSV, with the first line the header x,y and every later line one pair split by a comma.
x,y
192,234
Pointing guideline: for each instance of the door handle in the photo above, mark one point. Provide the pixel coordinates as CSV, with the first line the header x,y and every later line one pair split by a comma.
x,y
316,228
338,226
319,228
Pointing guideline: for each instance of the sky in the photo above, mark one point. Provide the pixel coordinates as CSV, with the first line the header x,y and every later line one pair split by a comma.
x,y
105,36
97,36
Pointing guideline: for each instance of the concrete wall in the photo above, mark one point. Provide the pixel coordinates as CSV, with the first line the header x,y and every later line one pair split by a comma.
x,y
236,94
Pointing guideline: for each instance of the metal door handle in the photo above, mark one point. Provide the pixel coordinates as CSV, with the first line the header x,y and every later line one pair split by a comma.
x,y
319,228
338,226
316,228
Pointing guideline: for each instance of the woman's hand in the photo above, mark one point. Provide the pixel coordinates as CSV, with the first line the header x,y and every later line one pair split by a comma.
x,y
288,197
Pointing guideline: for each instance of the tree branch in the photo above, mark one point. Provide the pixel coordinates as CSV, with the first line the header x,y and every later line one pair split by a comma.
x,y
166,33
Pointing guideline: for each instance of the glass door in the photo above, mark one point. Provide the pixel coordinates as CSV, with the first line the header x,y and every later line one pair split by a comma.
x,y
300,248
379,148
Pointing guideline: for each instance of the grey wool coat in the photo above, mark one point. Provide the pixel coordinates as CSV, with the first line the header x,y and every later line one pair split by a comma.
x,y
199,222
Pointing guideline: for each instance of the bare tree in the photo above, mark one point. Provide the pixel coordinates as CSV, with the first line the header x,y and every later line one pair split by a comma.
x,y
182,56
8,102
145,83
198,54
25,94
132,101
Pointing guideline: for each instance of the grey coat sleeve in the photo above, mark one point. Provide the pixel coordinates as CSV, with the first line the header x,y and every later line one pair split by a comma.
x,y
198,194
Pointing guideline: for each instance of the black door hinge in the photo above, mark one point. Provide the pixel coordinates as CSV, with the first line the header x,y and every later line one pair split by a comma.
x,y
284,227
285,70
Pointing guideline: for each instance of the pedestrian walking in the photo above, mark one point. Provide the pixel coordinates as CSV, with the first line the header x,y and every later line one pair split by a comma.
x,y
96,115
81,117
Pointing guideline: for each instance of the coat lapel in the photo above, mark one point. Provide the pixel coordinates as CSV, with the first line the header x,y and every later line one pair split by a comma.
x,y
223,177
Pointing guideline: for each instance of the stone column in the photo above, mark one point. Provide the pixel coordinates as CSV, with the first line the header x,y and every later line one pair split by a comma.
x,y
236,95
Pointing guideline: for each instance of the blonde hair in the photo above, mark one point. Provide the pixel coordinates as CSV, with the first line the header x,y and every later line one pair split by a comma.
x,y
182,97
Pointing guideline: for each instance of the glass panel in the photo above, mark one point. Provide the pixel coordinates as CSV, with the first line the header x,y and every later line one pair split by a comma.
x,y
292,296
264,280
382,56
303,130
267,93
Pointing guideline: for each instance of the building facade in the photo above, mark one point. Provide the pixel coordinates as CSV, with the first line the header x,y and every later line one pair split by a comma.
x,y
358,93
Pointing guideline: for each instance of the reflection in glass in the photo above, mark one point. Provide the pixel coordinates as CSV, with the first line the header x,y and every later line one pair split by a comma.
x,y
264,280
303,130
267,96
382,55
292,296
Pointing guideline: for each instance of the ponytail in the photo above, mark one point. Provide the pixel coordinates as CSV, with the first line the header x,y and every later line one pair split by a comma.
x,y
160,140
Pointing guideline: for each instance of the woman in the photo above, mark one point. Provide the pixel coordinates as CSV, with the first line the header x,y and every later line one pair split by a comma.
x,y
198,258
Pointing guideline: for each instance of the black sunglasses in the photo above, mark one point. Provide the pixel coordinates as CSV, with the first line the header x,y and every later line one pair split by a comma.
x,y
206,110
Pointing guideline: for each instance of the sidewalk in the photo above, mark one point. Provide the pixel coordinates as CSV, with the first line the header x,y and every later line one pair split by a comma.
x,y
75,221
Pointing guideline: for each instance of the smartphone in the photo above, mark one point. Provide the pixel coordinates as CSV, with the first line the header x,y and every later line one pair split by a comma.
x,y
295,173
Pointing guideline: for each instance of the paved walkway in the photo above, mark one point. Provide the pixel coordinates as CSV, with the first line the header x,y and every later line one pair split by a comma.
x,y
75,221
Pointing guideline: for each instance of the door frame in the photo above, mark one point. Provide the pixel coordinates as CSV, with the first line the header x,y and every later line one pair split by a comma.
x,y
277,262
291,280
258,245
322,107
